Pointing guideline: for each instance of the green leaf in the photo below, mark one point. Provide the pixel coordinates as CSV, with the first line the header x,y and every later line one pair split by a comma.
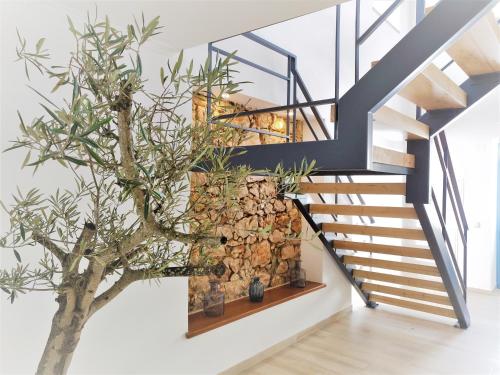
x,y
76,89
17,145
146,205
89,142
162,76
26,159
39,45
97,125
139,65
75,160
18,256
5,290
95,156
53,115
177,65
72,27
23,126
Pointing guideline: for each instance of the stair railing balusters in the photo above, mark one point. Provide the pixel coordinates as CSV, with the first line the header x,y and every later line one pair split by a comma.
x,y
450,189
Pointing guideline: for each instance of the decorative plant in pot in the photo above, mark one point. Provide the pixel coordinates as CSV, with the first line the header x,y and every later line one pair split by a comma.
x,y
130,152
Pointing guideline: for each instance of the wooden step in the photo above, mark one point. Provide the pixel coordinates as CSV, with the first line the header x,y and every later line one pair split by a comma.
x,y
432,89
406,293
400,280
387,156
353,188
371,230
477,51
376,211
388,119
391,265
404,251
449,313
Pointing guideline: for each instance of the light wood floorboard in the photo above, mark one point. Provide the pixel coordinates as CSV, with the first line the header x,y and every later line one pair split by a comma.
x,y
389,340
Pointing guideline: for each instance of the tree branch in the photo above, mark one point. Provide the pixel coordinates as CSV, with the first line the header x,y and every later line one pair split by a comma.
x,y
50,245
129,276
88,233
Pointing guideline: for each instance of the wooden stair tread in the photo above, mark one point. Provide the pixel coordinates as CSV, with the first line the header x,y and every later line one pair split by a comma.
x,y
406,293
405,251
433,89
449,313
387,156
477,51
388,119
400,280
372,230
353,188
391,265
362,210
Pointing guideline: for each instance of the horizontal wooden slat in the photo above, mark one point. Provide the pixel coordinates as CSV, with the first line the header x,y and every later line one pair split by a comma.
x,y
449,313
386,156
391,265
369,230
353,188
377,211
400,280
388,119
406,293
405,251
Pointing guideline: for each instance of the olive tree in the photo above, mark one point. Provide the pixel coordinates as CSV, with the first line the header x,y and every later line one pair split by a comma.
x,y
130,215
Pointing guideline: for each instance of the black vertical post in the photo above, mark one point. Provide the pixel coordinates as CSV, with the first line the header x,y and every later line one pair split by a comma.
x,y
294,96
209,88
445,182
420,13
337,64
288,88
465,265
356,42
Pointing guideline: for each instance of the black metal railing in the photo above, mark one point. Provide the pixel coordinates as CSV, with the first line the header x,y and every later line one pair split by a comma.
x,y
295,84
451,194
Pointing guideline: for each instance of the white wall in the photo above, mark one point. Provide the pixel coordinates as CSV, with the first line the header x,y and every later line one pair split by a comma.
x,y
143,330
475,158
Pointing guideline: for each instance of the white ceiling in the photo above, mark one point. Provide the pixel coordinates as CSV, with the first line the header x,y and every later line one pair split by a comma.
x,y
189,23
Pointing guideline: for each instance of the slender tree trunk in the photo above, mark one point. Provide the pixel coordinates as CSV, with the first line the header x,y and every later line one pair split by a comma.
x,y
67,325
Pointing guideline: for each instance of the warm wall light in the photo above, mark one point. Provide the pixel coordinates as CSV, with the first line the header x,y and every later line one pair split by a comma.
x,y
279,123
225,95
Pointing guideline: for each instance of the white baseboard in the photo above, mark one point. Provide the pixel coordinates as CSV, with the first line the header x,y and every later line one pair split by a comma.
x,y
259,357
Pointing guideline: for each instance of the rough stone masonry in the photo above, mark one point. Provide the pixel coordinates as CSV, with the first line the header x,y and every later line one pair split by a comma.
x,y
262,230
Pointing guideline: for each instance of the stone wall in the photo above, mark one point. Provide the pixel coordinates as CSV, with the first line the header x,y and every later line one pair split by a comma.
x,y
262,231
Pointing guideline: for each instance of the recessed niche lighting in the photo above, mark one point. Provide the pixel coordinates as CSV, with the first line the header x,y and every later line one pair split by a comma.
x,y
279,123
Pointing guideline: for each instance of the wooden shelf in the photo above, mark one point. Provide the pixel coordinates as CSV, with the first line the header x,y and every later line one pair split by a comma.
x,y
198,323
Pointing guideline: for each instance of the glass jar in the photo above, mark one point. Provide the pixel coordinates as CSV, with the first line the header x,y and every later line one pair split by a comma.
x,y
297,276
213,300
256,290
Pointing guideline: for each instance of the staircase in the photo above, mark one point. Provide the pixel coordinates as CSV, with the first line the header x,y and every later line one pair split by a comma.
x,y
390,264
403,255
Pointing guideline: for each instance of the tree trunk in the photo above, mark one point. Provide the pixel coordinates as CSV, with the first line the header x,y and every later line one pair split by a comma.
x,y
67,325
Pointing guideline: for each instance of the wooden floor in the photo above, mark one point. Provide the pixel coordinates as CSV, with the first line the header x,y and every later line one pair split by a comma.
x,y
383,341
